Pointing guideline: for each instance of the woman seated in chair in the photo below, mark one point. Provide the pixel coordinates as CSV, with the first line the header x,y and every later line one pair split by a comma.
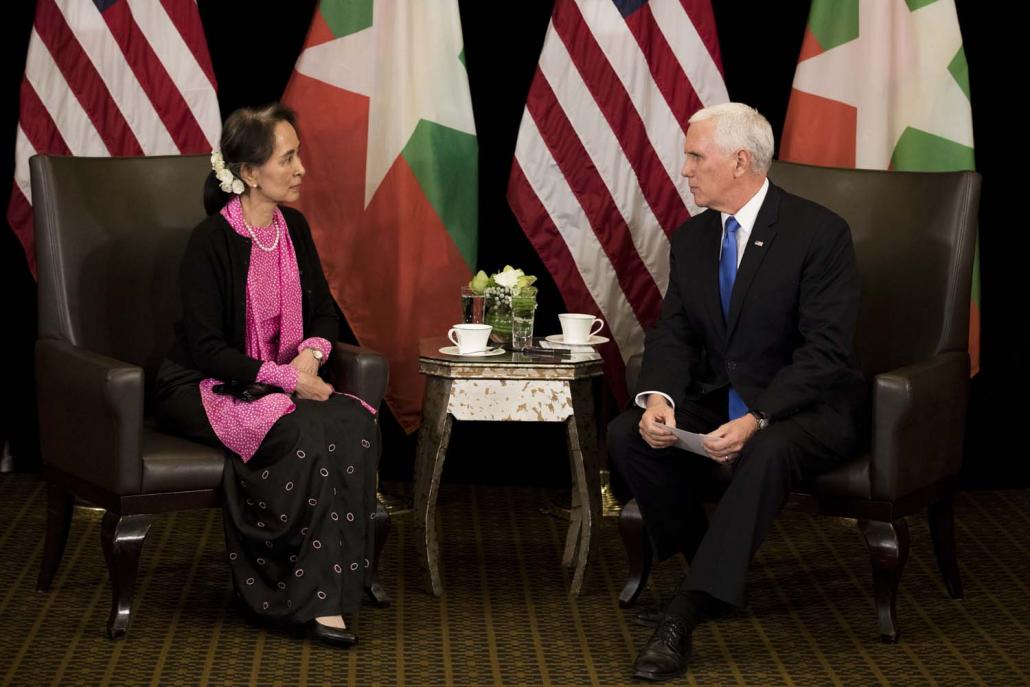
x,y
246,372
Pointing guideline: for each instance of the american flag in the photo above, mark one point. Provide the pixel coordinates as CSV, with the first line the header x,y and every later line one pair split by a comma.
x,y
595,182
112,78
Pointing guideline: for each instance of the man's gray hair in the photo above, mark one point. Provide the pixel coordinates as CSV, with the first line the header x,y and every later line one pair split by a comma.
x,y
740,127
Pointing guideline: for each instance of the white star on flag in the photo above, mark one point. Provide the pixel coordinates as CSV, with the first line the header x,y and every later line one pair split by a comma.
x,y
904,56
369,62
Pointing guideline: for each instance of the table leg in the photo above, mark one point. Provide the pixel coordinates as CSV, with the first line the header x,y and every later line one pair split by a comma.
x,y
586,483
432,449
568,558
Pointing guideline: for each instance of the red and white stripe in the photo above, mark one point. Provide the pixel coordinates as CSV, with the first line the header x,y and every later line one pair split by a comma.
x,y
595,182
133,79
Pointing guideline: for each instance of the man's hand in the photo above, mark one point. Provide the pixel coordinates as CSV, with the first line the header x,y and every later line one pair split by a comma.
x,y
725,443
312,388
656,422
305,362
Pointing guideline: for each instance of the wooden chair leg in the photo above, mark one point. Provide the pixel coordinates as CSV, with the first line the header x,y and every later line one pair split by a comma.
x,y
888,552
382,531
942,530
122,537
638,550
59,509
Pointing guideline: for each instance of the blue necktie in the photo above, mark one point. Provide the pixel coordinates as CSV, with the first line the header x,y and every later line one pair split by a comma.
x,y
728,264
727,275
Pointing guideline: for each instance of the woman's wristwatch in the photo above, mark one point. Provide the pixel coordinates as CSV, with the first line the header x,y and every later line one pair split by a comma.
x,y
761,418
317,353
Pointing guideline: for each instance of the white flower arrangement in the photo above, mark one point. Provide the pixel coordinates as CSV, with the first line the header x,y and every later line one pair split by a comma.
x,y
501,286
227,181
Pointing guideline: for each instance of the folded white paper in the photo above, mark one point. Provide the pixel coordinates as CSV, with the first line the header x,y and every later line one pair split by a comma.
x,y
689,441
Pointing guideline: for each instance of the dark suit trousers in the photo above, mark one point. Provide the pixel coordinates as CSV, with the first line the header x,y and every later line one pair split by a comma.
x,y
670,487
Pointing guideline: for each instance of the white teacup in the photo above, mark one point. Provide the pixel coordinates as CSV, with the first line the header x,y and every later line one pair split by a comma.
x,y
577,328
469,338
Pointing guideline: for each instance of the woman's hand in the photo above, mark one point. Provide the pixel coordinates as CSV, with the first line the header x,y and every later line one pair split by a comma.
x,y
305,362
311,387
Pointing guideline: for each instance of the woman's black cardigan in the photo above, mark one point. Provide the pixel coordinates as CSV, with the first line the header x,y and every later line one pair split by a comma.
x,y
213,278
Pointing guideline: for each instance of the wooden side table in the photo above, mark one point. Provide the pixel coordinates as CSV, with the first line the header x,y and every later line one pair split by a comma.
x,y
508,388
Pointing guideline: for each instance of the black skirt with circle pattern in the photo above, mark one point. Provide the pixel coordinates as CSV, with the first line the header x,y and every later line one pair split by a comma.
x,y
299,515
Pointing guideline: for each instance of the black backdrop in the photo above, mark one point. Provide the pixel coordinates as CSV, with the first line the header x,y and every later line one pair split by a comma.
x,y
254,45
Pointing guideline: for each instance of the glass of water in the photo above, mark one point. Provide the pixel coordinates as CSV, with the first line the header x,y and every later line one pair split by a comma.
x,y
523,310
473,305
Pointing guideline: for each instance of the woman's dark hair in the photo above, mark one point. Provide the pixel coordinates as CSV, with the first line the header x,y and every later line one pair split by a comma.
x,y
248,137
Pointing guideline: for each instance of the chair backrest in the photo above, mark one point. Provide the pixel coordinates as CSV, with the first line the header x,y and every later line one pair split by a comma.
x,y
914,236
110,235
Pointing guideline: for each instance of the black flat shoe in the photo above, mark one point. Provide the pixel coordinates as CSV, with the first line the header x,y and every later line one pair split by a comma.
x,y
667,654
330,635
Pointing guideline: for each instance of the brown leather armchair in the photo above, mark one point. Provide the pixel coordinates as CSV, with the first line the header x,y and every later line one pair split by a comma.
x,y
110,234
914,236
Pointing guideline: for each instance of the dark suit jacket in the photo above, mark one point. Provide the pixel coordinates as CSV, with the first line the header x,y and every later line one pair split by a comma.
x,y
787,344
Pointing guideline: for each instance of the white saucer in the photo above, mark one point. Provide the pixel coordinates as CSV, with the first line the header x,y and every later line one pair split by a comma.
x,y
592,341
453,350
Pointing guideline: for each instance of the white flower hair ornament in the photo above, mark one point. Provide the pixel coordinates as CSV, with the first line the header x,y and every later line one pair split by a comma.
x,y
228,182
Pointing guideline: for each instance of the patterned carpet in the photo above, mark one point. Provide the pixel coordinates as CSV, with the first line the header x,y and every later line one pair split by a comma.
x,y
506,617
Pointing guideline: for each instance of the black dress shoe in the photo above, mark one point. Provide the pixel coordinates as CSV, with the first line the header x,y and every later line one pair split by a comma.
x,y
330,635
667,654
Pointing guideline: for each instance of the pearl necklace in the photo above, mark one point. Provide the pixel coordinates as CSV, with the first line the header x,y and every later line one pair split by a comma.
x,y
253,234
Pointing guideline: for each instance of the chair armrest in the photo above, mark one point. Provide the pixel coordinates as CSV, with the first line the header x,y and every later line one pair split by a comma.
x,y
919,422
90,415
359,371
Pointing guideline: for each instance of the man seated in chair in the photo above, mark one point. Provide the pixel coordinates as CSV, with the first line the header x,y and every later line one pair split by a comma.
x,y
754,349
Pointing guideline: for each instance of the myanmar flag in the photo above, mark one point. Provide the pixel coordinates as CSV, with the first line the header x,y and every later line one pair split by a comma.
x,y
390,148
883,84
